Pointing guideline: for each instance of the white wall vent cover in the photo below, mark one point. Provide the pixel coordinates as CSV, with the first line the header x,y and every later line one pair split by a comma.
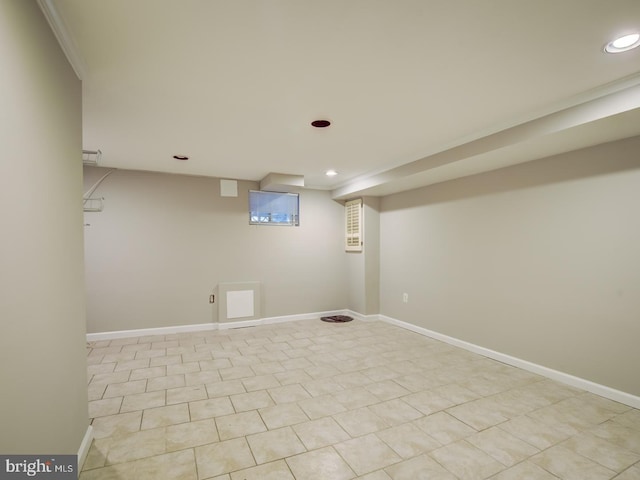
x,y
240,304
228,188
239,301
353,225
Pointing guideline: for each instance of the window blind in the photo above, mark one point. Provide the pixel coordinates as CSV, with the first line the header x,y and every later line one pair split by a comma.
x,y
353,225
273,208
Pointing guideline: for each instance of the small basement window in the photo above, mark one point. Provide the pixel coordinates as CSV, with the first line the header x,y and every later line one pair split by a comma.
x,y
274,208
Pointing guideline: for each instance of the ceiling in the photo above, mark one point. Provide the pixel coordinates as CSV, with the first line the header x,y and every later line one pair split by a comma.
x,y
418,91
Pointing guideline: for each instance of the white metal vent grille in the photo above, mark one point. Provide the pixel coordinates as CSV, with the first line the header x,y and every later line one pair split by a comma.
x,y
353,225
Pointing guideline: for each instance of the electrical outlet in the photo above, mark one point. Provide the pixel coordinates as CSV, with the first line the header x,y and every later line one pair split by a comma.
x,y
405,297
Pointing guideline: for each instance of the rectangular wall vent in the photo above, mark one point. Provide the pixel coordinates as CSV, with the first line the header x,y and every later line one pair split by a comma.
x,y
240,304
238,301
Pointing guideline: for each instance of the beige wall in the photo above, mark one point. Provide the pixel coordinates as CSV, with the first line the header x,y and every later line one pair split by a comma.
x,y
163,242
540,261
356,293
372,255
363,268
42,345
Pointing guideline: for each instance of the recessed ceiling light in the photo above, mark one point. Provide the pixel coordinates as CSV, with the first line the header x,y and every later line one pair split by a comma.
x,y
181,157
330,173
623,44
321,123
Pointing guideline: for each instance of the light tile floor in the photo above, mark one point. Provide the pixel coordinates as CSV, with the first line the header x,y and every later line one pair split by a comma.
x,y
312,400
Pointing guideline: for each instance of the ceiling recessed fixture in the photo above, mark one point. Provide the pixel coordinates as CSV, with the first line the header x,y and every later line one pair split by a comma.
x,y
623,44
330,173
181,157
321,123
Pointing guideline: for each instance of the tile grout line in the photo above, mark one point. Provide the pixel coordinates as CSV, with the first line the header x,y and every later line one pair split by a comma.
x,y
380,401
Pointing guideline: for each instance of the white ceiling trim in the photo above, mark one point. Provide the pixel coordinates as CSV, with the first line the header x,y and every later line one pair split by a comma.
x,y
65,39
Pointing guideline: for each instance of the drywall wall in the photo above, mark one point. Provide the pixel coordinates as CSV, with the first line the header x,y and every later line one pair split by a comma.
x,y
372,255
42,345
163,242
356,293
539,261
363,267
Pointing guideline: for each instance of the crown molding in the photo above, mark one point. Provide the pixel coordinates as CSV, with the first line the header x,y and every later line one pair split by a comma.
x,y
65,39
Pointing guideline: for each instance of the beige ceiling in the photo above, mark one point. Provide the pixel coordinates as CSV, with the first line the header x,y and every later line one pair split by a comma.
x,y
418,91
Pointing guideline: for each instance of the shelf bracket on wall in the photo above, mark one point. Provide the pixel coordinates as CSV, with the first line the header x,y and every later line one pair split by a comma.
x,y
94,204
91,157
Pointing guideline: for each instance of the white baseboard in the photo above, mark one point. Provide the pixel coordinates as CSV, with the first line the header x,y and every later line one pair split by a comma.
x,y
281,319
84,447
143,332
303,316
598,389
361,316
239,324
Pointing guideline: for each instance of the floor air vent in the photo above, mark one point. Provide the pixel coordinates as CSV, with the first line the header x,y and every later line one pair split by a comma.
x,y
336,319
